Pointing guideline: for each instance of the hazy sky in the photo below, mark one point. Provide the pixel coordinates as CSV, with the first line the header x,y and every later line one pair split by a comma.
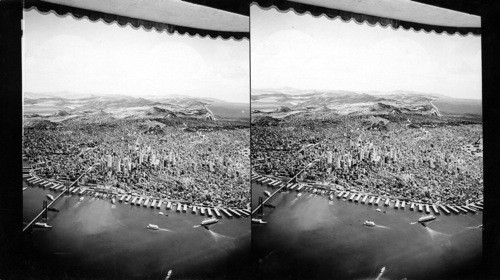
x,y
64,54
301,51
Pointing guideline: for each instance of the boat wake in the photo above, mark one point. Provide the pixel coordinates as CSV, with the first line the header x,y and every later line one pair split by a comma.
x,y
380,226
165,229
218,236
435,233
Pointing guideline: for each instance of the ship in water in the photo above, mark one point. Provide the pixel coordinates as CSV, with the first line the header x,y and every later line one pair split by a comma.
x,y
369,223
258,221
209,221
153,227
168,275
424,219
42,225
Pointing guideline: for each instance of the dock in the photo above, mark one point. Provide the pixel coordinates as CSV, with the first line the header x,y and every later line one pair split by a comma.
x,y
352,197
427,209
153,204
412,206
217,213
387,202
194,210
247,212
134,200
339,194
178,207
396,206
357,198
184,209
444,209
202,211
370,202
420,207
378,200
402,205
364,199
139,202
453,209
158,205
122,198
461,209
169,205
146,202
209,212
469,209
226,212
300,188
237,214
127,199
434,208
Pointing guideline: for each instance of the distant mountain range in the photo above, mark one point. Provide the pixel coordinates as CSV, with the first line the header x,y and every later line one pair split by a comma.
x,y
342,102
67,104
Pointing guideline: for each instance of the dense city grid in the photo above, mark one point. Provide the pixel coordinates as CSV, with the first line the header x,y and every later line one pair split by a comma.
x,y
192,161
403,159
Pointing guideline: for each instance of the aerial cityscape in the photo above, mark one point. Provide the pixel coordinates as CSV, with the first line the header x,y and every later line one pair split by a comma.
x,y
366,150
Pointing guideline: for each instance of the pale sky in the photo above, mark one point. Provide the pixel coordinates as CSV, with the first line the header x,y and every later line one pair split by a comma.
x,y
304,52
81,56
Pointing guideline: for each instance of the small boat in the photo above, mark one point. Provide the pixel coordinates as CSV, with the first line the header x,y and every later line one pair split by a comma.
x,y
53,209
378,210
42,225
427,218
299,194
24,188
369,223
113,200
82,198
160,213
258,221
168,275
50,196
267,193
331,197
209,221
153,227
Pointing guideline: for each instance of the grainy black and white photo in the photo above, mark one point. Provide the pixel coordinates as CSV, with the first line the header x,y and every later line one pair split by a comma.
x,y
366,149
136,150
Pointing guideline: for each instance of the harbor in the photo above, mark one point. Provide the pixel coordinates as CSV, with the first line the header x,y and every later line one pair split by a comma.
x,y
471,208
122,226
301,227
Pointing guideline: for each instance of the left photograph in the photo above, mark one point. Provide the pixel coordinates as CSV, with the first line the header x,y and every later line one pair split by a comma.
x,y
136,142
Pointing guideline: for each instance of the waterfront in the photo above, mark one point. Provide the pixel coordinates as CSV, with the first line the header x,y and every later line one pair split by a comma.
x,y
95,239
311,237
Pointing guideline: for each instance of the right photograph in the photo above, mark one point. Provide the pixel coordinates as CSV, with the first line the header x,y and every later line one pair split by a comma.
x,y
366,149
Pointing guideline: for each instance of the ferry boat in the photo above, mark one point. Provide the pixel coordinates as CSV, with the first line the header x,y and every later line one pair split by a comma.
x,y
427,218
43,225
209,221
153,227
267,193
168,275
369,223
258,221
50,196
